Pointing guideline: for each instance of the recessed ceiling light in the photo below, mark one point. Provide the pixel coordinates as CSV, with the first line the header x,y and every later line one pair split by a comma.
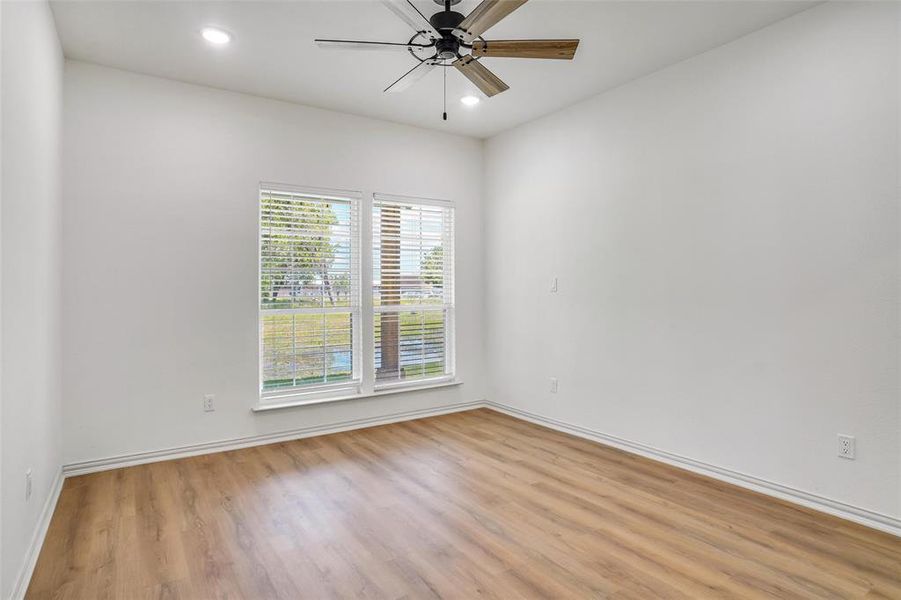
x,y
470,100
216,36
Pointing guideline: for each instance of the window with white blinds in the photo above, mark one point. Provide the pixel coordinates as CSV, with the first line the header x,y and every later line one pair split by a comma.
x,y
310,319
413,289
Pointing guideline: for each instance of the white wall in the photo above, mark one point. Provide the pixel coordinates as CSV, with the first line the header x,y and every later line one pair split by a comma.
x,y
898,105
726,237
32,67
160,252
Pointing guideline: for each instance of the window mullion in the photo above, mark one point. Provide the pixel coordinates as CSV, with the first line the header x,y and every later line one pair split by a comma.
x,y
367,324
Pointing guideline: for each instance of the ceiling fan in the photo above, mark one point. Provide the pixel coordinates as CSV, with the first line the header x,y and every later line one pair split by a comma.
x,y
450,39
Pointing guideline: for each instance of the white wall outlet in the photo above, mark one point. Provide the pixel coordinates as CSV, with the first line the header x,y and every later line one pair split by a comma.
x,y
554,285
28,484
846,446
209,402
553,385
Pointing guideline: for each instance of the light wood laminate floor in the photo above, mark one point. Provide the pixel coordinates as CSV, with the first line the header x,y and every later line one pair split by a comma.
x,y
468,505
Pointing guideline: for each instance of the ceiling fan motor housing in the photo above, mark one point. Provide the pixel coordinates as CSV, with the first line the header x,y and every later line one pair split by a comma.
x,y
445,22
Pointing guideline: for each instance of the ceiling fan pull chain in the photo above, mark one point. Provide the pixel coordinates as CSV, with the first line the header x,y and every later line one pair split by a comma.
x,y
445,92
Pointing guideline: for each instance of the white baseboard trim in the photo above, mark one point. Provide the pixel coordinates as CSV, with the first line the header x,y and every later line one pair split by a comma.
x,y
836,508
139,458
37,538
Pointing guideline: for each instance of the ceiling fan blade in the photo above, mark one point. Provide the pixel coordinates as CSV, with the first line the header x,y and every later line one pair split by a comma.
x,y
486,15
412,17
559,49
363,45
411,77
484,79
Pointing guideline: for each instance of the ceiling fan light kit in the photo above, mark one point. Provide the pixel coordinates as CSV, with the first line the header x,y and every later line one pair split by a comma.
x,y
456,41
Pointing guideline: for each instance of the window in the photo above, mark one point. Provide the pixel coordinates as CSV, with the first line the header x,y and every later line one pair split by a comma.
x,y
309,291
412,289
313,321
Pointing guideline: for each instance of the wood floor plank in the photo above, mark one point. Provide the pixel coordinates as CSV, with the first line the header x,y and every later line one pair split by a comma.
x,y
468,505
696,536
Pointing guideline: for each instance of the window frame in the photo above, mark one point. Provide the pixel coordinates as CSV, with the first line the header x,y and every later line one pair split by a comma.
x,y
315,391
448,306
363,383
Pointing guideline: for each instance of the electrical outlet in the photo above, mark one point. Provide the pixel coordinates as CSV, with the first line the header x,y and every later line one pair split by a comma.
x,y
553,385
554,285
209,402
846,446
28,484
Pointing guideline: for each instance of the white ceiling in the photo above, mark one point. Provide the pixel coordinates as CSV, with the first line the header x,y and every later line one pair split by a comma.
x,y
273,53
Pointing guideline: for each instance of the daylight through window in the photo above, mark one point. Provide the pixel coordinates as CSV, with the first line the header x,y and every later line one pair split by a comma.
x,y
312,323
309,290
412,286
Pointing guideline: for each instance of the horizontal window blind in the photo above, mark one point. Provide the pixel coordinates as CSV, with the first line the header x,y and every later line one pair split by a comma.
x,y
412,286
309,290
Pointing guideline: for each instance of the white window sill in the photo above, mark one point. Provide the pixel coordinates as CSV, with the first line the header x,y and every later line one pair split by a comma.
x,y
299,400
